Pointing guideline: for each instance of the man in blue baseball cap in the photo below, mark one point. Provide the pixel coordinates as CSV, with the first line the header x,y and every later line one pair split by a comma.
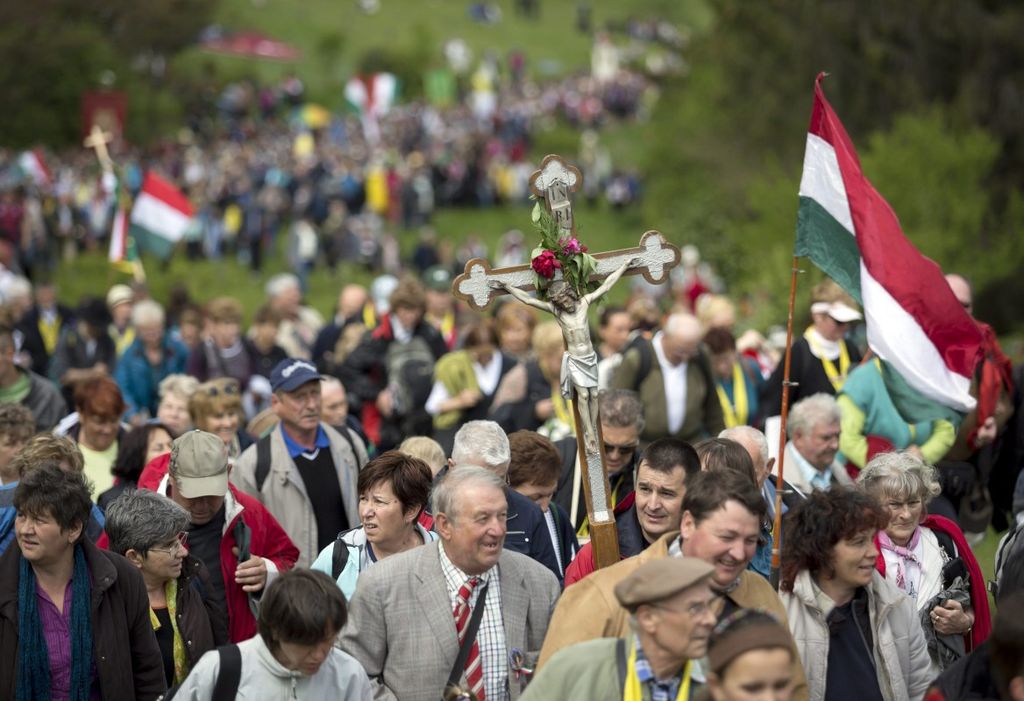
x,y
303,470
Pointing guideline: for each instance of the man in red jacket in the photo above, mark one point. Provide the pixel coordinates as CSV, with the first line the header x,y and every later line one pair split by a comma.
x,y
241,544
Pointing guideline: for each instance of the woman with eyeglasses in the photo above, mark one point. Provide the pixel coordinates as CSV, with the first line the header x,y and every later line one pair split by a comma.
x,y
927,557
393,490
750,657
149,530
858,636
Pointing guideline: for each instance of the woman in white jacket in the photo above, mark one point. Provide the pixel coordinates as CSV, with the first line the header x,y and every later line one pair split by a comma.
x,y
292,657
859,637
393,490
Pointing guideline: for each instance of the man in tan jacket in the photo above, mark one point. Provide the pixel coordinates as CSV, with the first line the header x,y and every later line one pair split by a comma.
x,y
722,513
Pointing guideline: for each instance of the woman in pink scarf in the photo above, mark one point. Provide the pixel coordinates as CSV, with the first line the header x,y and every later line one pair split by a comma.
x,y
922,555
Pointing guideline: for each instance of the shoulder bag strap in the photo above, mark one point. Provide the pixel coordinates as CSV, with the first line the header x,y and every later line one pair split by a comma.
x,y
467,642
620,660
229,675
262,460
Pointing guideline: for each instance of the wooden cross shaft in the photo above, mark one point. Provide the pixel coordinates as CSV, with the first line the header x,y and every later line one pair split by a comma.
x,y
479,284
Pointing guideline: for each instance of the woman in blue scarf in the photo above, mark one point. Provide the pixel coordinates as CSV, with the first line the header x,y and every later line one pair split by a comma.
x,y
74,620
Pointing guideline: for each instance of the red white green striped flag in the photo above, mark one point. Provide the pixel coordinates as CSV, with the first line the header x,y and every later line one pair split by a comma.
x,y
914,322
34,166
160,216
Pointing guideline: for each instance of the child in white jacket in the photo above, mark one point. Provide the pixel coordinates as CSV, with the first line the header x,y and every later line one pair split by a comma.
x,y
292,657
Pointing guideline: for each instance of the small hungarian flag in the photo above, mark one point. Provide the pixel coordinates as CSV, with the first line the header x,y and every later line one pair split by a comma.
x,y
34,167
160,216
914,323
372,95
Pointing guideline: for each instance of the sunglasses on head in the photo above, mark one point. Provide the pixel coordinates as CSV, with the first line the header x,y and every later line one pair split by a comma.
x,y
227,388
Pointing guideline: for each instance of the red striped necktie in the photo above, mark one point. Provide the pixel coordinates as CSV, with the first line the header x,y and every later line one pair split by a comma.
x,y
474,667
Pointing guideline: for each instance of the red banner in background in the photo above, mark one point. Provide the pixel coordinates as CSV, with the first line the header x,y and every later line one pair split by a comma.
x,y
105,109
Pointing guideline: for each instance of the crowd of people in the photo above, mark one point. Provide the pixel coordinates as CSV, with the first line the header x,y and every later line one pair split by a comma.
x,y
254,168
384,503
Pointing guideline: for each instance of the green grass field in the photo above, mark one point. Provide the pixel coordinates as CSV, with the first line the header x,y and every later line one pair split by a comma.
x,y
90,273
334,35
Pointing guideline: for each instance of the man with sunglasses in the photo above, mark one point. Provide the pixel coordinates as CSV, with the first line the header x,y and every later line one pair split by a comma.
x,y
721,524
622,422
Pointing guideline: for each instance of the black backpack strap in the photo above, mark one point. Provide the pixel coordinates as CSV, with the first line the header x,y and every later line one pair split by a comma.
x,y
339,557
229,675
467,642
346,433
620,660
262,460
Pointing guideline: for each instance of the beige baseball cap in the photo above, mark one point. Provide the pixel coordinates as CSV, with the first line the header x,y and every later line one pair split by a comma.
x,y
199,465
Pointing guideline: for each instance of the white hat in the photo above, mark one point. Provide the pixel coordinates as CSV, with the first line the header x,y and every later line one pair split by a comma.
x,y
843,313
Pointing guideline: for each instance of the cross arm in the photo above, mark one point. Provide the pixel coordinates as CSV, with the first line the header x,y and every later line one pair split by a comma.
x,y
653,259
521,295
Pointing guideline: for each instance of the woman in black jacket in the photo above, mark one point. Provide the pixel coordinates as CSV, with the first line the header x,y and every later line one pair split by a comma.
x,y
150,531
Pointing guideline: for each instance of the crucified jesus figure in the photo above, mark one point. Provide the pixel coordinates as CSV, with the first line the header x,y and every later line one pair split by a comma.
x,y
579,363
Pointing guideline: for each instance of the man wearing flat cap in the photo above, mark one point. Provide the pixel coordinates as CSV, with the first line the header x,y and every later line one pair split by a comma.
x,y
670,615
721,524
303,471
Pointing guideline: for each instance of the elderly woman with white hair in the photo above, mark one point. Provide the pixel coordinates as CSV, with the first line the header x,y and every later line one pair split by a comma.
x,y
299,324
151,357
150,531
175,393
926,556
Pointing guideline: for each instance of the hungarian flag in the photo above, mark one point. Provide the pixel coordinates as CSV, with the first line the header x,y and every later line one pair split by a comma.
x,y
914,323
34,167
373,95
124,254
160,216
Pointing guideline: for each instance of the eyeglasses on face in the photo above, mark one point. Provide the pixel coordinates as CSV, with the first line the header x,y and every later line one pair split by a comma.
x,y
693,609
180,542
612,449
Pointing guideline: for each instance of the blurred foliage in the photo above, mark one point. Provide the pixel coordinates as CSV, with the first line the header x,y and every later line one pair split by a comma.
x,y
51,52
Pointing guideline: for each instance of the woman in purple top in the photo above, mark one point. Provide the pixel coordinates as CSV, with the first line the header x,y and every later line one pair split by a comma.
x,y
74,620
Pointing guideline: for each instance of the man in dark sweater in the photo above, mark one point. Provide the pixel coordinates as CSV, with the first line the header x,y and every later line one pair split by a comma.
x,y
307,474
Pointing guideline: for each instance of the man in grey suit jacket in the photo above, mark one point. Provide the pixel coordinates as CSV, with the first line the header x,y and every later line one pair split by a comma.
x,y
401,624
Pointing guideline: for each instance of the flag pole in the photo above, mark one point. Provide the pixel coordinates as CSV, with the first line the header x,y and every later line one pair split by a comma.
x,y
784,413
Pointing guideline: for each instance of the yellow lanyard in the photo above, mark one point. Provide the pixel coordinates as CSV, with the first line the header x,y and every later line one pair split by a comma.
x,y
447,325
50,333
836,377
734,415
632,690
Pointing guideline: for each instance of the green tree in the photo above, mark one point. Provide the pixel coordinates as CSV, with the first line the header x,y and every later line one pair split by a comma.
x,y
51,52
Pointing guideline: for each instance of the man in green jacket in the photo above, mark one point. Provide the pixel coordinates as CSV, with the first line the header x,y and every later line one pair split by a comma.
x,y
670,615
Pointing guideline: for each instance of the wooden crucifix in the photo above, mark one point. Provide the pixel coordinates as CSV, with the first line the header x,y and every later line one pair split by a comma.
x,y
98,140
554,184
